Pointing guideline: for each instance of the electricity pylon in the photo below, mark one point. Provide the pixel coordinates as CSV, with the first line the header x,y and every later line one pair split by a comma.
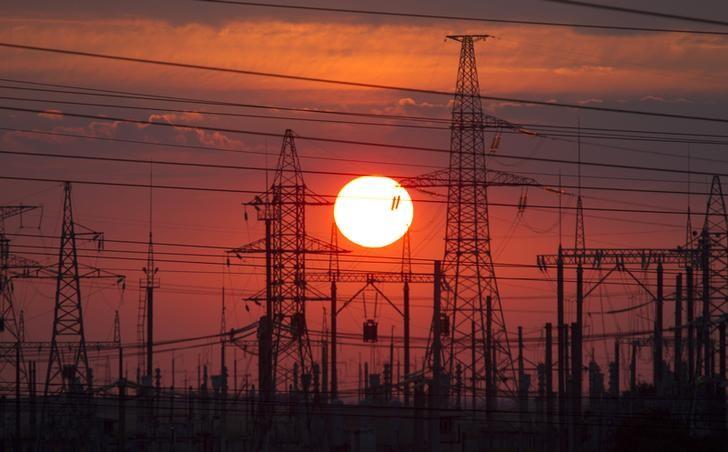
x,y
68,369
286,347
715,264
11,267
468,270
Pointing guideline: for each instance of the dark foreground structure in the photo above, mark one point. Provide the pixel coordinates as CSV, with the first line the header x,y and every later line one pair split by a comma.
x,y
213,419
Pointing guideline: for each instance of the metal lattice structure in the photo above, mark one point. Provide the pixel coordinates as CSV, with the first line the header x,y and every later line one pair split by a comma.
x,y
468,263
68,369
67,365
10,267
580,233
715,232
283,208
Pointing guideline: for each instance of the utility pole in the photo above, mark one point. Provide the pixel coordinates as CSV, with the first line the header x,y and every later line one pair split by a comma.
x,y
549,363
657,357
122,401
561,345
436,386
146,307
689,318
577,355
334,375
406,275
678,330
490,371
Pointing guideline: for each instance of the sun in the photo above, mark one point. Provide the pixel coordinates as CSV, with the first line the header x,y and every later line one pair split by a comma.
x,y
373,211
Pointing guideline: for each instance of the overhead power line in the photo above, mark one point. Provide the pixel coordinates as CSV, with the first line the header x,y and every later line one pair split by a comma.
x,y
332,158
553,132
641,12
370,12
362,143
350,83
239,191
102,92
319,172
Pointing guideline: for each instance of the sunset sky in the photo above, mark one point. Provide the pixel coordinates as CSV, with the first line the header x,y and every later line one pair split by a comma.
x,y
675,73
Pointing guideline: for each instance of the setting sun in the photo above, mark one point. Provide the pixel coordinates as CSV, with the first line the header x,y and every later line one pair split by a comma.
x,y
373,211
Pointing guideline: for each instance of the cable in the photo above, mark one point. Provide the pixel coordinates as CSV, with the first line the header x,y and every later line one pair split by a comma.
x,y
550,134
349,83
446,121
459,18
321,172
362,143
319,269
640,12
238,191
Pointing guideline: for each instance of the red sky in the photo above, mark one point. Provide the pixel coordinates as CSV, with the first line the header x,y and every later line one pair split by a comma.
x,y
657,72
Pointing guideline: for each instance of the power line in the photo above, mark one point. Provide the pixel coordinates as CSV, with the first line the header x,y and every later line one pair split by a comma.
x,y
547,133
361,143
460,18
429,119
319,172
640,12
310,157
239,191
349,83
324,269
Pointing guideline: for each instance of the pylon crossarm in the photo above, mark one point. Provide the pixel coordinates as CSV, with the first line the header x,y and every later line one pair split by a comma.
x,y
312,246
601,280
388,300
20,267
595,257
364,276
12,211
640,283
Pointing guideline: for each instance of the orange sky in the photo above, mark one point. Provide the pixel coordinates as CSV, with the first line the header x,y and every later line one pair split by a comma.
x,y
657,72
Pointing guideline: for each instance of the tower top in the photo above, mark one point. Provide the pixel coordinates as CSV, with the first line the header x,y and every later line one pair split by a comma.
x,y
461,38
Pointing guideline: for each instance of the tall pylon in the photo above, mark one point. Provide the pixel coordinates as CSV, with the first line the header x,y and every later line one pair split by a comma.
x,y
468,263
68,368
11,330
715,235
283,208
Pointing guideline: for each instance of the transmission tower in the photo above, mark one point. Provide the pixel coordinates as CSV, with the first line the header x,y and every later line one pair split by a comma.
x,y
285,333
715,246
470,278
68,369
11,330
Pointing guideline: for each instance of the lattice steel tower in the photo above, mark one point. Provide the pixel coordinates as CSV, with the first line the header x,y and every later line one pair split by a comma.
x,y
283,208
67,371
11,267
68,368
715,245
468,262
